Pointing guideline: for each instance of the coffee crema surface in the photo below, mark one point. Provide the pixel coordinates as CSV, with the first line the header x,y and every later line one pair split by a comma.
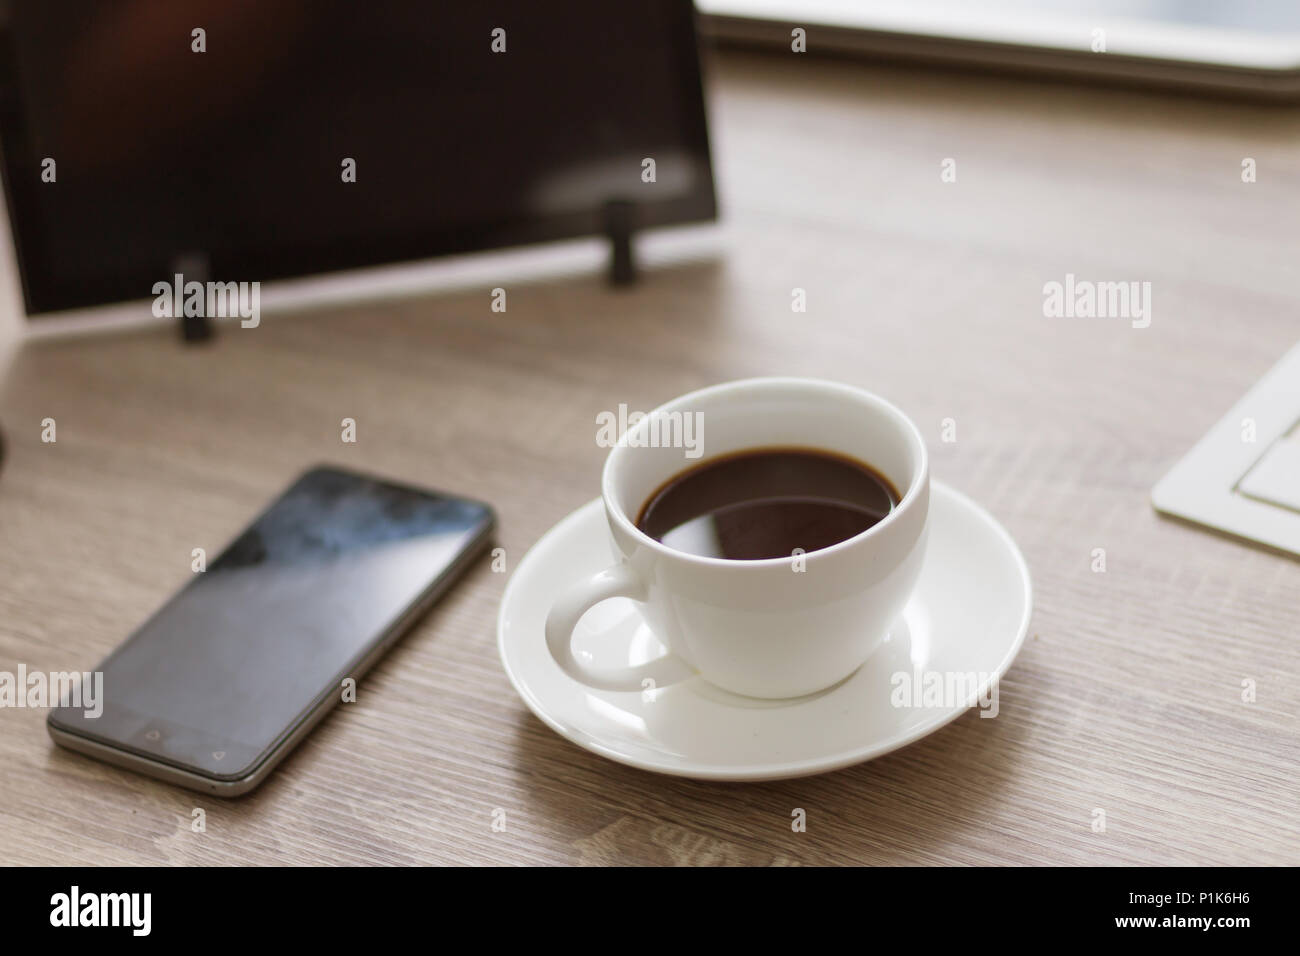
x,y
766,503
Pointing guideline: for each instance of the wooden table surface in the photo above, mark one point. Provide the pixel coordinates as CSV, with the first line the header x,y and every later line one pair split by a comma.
x,y
1127,696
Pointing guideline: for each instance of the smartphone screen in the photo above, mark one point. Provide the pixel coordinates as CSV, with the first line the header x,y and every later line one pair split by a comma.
x,y
267,634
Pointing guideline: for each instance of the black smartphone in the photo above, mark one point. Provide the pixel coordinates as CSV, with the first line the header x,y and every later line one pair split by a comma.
x,y
230,674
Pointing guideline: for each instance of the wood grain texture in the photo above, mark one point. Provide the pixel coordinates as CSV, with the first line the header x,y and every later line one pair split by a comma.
x,y
1127,695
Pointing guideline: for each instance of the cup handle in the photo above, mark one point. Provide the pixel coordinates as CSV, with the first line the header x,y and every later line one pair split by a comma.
x,y
618,581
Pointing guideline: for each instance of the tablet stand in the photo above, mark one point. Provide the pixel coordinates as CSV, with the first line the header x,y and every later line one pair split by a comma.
x,y
193,267
620,217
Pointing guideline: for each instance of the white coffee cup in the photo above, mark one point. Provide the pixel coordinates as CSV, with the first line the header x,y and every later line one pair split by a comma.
x,y
779,627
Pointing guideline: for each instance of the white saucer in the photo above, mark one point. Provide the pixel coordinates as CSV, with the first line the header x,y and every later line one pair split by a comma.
x,y
969,615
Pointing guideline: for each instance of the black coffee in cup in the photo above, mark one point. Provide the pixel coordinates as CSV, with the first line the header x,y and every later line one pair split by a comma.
x,y
766,503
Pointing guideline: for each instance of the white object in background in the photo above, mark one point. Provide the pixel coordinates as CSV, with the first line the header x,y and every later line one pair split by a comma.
x,y
1230,51
1243,477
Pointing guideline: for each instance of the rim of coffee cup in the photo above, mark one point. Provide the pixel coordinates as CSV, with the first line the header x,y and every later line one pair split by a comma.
x,y
906,501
